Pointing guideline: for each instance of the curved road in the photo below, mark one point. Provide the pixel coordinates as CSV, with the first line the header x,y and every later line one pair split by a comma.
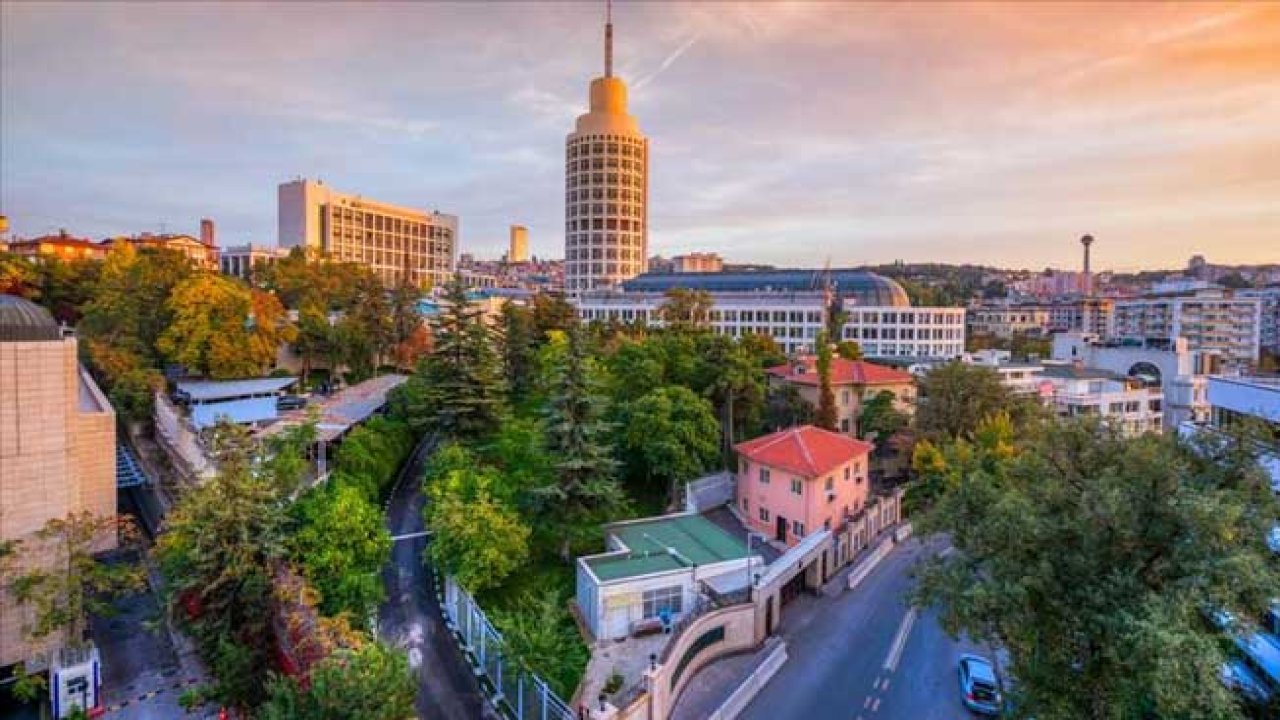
x,y
411,616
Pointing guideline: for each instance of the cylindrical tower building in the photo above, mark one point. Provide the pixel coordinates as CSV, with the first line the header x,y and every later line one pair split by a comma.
x,y
606,200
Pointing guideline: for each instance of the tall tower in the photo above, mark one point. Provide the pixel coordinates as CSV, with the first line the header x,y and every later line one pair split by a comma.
x,y
606,209
1086,241
519,250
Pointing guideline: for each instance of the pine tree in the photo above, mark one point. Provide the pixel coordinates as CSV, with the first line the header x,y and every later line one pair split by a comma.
x,y
586,490
458,389
826,415
518,351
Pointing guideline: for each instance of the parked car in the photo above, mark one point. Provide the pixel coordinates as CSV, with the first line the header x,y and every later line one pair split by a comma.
x,y
979,686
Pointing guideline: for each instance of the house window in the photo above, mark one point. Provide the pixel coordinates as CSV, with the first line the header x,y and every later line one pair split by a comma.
x,y
665,600
797,528
797,486
846,472
826,524
764,476
829,484
764,515
844,398
844,425
745,504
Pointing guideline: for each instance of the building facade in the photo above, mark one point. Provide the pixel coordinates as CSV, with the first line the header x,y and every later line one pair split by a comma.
x,y
57,450
62,246
1269,313
801,480
200,254
398,243
606,201
853,382
1128,403
1005,321
240,260
697,263
519,250
1210,320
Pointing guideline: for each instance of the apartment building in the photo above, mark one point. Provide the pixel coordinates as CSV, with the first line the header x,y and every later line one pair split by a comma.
x,y
61,246
1211,320
697,263
398,243
1073,390
1005,321
1269,300
1022,378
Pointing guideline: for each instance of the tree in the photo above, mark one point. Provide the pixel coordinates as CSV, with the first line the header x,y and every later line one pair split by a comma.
x,y
1091,558
955,397
670,435
373,681
585,490
18,276
879,416
341,545
518,351
222,329
849,350
476,538
539,633
551,312
825,416
785,407
458,388
367,329
371,455
686,309
221,540
735,384
763,348
64,592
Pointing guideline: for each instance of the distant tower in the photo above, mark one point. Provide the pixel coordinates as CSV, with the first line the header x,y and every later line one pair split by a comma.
x,y
206,232
606,215
1086,241
519,250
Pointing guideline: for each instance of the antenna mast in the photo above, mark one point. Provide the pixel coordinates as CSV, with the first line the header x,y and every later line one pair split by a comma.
x,y
608,38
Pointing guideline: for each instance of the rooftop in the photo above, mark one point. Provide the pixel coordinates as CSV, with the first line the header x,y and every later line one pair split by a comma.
x,y
338,413
867,288
805,450
24,321
213,390
664,544
1074,372
843,372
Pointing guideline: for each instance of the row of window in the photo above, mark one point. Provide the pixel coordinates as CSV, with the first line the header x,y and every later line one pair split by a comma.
x,y
582,268
618,145
906,333
604,254
599,163
604,180
361,222
602,209
623,224
604,194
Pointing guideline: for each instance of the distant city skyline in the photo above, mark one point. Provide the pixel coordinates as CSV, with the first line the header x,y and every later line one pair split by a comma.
x,y
787,134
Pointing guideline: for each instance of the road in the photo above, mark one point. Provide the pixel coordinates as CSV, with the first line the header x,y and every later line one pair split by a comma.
x,y
866,655
411,617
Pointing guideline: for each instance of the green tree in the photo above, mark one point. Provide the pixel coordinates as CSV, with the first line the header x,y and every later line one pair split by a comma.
x,y
686,309
849,350
1091,557
785,407
367,329
222,329
341,545
63,594
520,341
764,349
670,435
552,312
19,276
955,397
372,682
217,551
458,389
476,538
735,384
825,416
585,490
881,417
540,634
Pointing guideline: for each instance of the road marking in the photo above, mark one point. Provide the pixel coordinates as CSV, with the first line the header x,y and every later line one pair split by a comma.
x,y
900,641
876,685
866,703
875,706
410,536
885,686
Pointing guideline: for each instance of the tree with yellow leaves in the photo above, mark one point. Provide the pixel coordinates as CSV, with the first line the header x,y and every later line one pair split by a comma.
x,y
223,329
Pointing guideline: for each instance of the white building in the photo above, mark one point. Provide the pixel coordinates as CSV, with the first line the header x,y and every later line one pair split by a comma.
x,y
398,243
1076,391
1235,398
239,260
1022,378
1269,333
1217,320
782,305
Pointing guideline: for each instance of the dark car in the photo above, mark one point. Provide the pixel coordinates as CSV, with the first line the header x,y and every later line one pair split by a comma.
x,y
291,402
979,686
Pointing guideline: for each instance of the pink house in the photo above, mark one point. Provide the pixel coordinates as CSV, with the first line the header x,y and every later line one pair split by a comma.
x,y
796,481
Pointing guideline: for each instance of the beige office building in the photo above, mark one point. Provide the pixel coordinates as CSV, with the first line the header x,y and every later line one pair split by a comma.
x,y
398,243
519,250
57,449
606,214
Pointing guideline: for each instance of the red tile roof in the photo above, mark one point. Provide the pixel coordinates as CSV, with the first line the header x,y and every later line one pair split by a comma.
x,y
843,372
805,450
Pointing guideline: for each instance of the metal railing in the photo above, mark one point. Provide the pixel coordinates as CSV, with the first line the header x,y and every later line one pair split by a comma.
x,y
517,692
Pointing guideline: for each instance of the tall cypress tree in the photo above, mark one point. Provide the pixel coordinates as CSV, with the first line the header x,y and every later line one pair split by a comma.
x,y
826,415
586,490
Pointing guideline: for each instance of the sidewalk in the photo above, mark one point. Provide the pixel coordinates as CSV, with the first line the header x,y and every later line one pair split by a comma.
x,y
713,684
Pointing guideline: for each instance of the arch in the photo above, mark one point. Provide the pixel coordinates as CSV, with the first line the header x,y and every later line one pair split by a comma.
x,y
1148,373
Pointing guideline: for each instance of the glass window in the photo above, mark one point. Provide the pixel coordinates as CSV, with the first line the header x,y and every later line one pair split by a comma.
x,y
829,484
764,514
764,476
663,601
797,486
797,528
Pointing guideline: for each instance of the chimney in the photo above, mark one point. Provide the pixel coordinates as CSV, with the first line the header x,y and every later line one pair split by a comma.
x,y
206,232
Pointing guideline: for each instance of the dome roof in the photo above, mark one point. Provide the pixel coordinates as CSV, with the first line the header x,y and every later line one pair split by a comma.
x,y
24,321
864,288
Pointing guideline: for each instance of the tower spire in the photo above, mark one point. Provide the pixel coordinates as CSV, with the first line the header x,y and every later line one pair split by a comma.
x,y
608,38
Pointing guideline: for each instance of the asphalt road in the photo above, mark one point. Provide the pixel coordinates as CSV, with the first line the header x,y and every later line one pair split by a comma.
x,y
411,617
865,655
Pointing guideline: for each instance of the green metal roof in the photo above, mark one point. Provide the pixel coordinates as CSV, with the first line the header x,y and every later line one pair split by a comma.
x,y
696,541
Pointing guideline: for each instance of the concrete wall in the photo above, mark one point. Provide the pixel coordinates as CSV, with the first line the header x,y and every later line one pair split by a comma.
x,y
665,685
57,457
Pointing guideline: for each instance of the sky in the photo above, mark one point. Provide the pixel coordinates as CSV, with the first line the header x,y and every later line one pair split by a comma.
x,y
792,133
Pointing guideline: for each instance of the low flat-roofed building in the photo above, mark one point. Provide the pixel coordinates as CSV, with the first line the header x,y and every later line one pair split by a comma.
x,y
1128,403
652,571
242,402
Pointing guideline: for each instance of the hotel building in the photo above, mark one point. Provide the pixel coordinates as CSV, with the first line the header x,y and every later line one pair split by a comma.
x,y
397,243
783,305
606,189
